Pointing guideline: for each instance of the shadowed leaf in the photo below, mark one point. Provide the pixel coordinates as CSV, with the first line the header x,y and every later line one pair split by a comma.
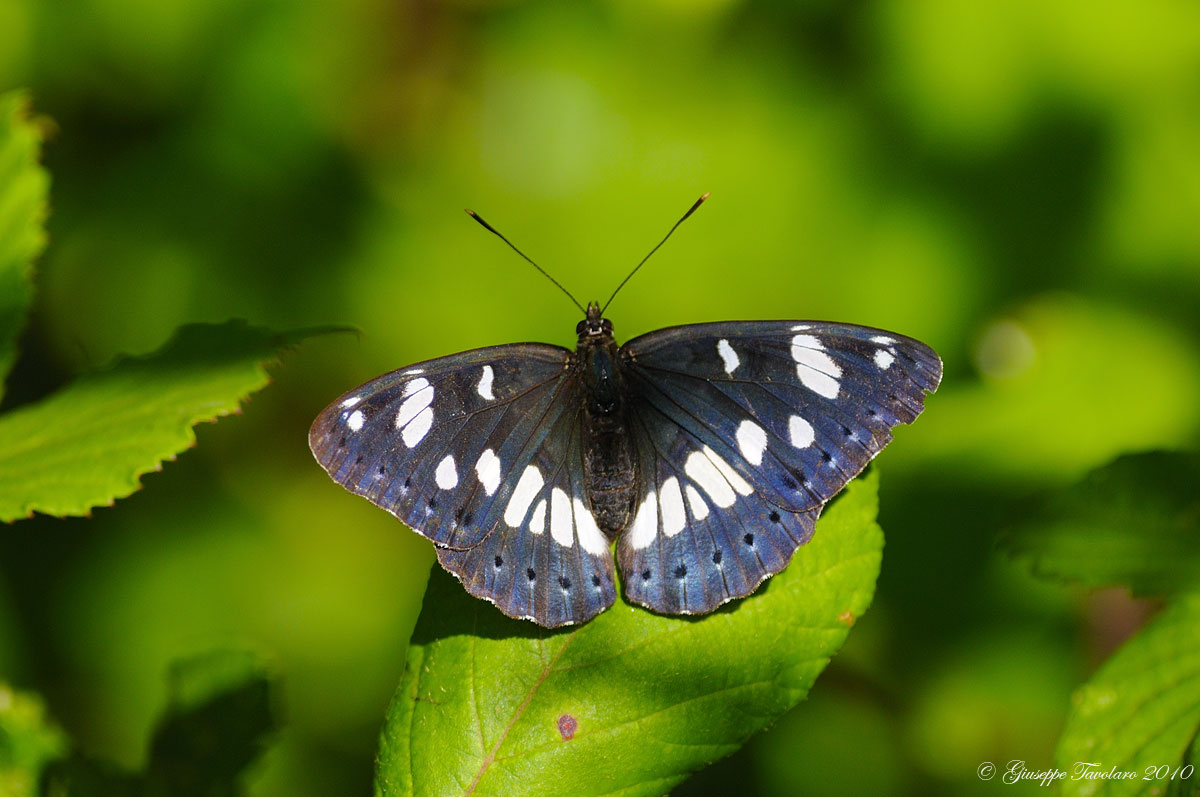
x,y
23,188
1134,522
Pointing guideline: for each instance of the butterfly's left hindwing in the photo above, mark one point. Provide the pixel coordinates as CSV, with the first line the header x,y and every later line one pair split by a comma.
x,y
467,449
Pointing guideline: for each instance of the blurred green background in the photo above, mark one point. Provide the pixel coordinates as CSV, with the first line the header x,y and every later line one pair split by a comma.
x,y
1016,183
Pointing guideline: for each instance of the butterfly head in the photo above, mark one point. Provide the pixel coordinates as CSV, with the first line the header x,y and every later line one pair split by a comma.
x,y
593,327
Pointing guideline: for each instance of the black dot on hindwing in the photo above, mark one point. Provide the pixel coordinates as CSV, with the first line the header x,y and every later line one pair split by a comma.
x,y
433,503
790,483
826,456
564,582
716,557
467,518
774,516
499,562
530,574
681,571
595,580
645,575
748,539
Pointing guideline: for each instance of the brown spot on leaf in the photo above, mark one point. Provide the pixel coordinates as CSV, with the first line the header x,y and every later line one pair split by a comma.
x,y
846,618
567,725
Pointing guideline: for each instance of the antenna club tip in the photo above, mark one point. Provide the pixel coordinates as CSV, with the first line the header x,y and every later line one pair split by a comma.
x,y
470,213
704,196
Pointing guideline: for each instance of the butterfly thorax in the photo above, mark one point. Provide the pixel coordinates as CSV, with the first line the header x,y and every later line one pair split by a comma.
x,y
610,469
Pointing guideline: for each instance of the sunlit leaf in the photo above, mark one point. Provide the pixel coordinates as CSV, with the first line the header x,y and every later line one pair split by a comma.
x,y
23,189
28,740
1140,711
88,444
1134,522
630,702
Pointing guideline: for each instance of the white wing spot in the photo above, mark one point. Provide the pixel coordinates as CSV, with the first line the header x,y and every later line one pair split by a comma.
x,y
816,369
415,385
801,432
562,524
415,432
350,402
537,522
883,340
417,401
715,477
488,471
731,475
696,502
446,474
414,371
752,440
728,356
673,516
645,523
884,359
529,485
800,327
484,388
355,421
590,537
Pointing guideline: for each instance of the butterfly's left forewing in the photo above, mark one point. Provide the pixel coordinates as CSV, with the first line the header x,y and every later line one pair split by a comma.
x,y
468,450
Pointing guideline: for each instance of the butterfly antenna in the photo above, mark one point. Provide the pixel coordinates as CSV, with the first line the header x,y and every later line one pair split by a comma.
x,y
528,260
682,219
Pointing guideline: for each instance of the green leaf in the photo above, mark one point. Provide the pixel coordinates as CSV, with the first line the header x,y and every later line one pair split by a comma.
x,y
1140,711
23,189
1187,782
630,703
216,724
28,741
1135,521
218,720
87,445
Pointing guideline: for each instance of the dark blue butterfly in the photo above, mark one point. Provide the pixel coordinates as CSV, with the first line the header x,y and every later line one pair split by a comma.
x,y
705,451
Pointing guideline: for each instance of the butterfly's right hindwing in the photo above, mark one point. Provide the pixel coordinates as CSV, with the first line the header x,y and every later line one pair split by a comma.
x,y
453,448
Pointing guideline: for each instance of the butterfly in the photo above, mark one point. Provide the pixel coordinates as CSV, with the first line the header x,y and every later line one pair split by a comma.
x,y
705,452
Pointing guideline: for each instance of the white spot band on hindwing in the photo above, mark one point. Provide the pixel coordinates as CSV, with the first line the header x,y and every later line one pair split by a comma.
x,y
537,521
696,502
884,359
591,539
645,523
715,477
528,486
671,500
355,421
562,521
